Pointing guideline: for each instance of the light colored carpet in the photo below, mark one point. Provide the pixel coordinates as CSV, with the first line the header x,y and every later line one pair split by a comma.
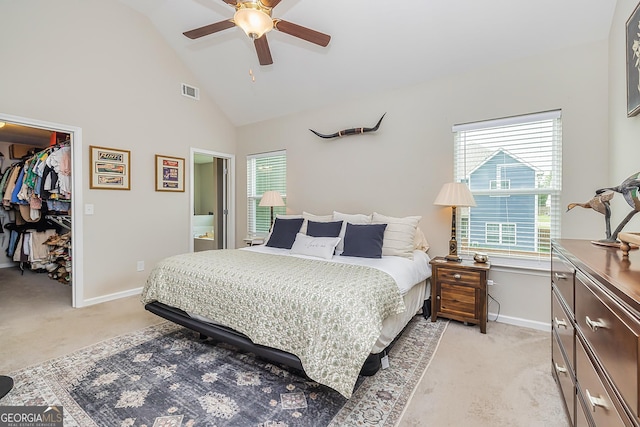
x,y
502,378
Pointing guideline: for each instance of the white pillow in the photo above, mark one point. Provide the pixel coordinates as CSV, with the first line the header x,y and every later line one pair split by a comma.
x,y
315,218
351,218
420,242
320,247
399,235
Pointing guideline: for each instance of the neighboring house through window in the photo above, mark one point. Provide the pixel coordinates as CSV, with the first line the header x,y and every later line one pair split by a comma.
x,y
513,169
265,172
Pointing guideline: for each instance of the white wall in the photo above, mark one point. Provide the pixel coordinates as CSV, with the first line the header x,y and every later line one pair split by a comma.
x,y
624,134
103,67
399,169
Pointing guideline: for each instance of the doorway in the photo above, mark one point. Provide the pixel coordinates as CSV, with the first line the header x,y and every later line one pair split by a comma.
x,y
75,134
212,196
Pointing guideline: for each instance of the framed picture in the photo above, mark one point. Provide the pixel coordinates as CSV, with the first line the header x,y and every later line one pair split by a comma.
x,y
169,173
110,168
633,62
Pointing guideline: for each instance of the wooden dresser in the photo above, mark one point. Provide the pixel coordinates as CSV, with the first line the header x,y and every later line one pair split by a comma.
x,y
595,315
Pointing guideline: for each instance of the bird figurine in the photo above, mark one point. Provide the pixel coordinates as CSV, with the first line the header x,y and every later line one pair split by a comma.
x,y
600,204
630,189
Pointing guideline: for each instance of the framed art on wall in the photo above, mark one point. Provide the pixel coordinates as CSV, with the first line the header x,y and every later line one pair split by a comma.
x,y
110,168
169,173
633,62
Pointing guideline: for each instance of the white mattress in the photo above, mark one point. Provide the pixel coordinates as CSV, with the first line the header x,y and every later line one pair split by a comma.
x,y
406,272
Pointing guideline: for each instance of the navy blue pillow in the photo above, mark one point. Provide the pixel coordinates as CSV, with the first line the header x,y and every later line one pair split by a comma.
x,y
364,240
324,229
284,232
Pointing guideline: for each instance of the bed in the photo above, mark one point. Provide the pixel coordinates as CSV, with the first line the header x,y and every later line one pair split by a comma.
x,y
309,304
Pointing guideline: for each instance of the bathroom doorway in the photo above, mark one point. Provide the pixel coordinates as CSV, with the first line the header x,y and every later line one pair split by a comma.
x,y
211,200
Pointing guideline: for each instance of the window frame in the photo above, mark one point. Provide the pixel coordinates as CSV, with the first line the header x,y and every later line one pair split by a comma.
x,y
548,184
254,195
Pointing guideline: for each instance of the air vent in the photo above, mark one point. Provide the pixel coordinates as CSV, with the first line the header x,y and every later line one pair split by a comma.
x,y
190,91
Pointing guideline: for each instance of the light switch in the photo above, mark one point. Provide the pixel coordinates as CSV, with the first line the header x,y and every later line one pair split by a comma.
x,y
88,209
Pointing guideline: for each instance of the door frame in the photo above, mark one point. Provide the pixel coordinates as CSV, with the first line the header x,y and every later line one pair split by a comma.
x,y
231,191
77,273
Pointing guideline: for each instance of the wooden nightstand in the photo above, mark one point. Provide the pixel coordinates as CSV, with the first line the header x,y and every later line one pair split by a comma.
x,y
459,291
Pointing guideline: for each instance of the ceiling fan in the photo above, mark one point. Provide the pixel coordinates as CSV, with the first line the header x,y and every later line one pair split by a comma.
x,y
254,17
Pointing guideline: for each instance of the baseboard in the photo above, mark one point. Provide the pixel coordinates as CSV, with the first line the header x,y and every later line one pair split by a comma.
x,y
517,321
111,297
13,264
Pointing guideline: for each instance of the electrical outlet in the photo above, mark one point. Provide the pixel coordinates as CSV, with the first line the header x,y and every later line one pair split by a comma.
x,y
140,266
490,282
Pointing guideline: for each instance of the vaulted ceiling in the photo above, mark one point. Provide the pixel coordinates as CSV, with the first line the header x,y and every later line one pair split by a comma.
x,y
375,46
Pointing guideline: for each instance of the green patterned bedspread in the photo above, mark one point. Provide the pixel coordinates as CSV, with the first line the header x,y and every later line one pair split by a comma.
x,y
328,314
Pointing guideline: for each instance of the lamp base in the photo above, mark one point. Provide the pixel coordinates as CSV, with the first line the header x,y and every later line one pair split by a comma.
x,y
454,258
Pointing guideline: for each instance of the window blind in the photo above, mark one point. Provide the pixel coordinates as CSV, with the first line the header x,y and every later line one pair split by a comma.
x,y
265,172
513,169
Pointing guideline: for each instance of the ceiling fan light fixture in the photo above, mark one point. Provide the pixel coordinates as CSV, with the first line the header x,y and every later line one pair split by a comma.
x,y
254,18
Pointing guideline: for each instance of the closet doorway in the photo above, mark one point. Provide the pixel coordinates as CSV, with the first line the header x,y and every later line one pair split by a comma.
x,y
212,190
71,222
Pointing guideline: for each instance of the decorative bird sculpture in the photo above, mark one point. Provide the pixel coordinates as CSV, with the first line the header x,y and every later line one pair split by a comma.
x,y
629,189
600,204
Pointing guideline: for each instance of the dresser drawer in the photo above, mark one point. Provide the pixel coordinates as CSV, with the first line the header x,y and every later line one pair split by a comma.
x,y
470,278
563,375
613,336
563,326
598,401
562,276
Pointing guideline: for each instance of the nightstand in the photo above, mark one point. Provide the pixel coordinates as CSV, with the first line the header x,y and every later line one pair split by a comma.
x,y
459,291
254,241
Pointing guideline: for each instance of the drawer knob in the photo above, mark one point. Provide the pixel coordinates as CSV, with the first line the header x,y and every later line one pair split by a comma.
x,y
560,322
595,324
560,369
560,276
596,401
457,276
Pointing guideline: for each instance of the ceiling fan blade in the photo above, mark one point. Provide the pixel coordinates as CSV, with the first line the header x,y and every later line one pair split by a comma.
x,y
209,29
231,2
270,3
303,33
263,51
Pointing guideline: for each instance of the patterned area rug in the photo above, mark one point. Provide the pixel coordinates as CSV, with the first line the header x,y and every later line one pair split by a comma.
x,y
165,376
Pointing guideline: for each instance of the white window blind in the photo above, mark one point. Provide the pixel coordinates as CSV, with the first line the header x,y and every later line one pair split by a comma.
x,y
513,169
265,172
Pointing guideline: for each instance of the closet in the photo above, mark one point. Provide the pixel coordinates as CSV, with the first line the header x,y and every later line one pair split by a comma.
x,y
36,187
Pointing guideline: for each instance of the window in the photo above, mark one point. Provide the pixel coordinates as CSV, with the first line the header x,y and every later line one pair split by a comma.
x,y
266,171
500,233
513,169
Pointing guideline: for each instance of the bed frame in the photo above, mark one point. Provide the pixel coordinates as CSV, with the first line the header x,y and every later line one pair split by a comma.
x,y
227,335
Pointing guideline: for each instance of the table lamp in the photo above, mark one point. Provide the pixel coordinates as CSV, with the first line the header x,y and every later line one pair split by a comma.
x,y
271,198
454,194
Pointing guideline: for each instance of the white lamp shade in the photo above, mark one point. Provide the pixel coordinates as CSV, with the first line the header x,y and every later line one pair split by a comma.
x,y
271,198
455,194
253,21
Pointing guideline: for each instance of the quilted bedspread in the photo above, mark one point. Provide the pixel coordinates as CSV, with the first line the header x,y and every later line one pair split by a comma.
x,y
327,314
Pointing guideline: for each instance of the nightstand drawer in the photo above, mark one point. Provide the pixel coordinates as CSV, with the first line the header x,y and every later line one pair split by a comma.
x,y
459,301
459,276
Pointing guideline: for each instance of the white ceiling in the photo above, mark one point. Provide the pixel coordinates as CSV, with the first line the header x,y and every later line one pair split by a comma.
x,y
375,46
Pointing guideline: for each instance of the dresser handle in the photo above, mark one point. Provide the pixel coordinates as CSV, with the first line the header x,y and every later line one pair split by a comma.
x,y
596,401
560,369
560,322
595,324
560,276
457,276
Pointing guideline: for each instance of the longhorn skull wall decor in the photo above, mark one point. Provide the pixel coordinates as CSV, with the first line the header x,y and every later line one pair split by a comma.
x,y
352,131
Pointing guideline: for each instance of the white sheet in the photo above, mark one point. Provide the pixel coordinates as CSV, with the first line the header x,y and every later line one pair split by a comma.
x,y
406,272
